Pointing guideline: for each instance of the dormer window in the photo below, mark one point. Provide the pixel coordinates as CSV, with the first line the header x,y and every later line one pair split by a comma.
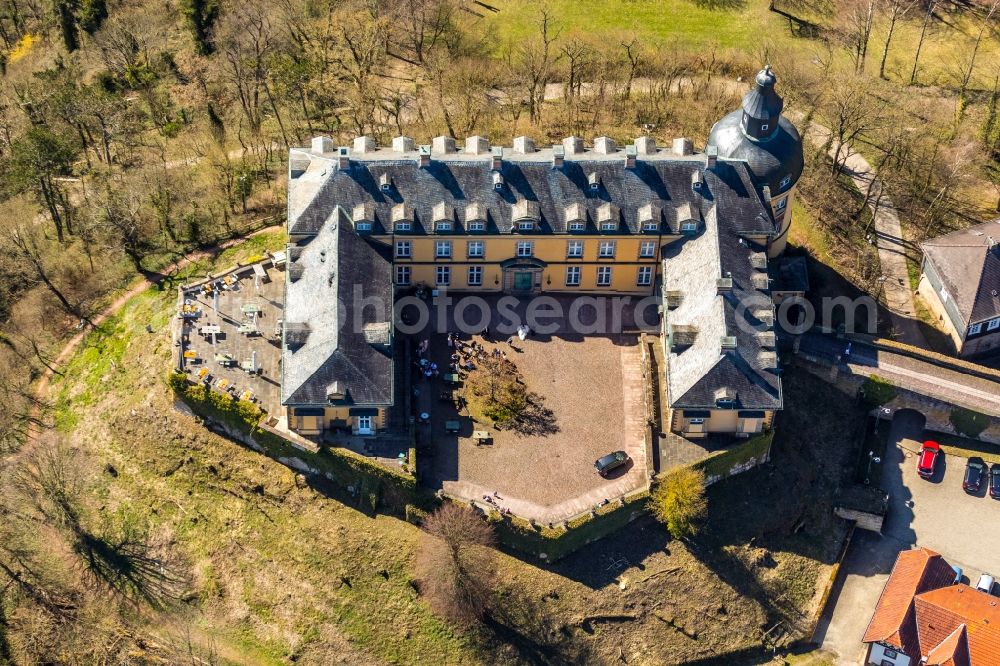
x,y
443,216
649,218
785,182
525,211
402,217
593,182
385,182
576,217
689,227
607,217
497,182
475,217
363,216
526,225
696,181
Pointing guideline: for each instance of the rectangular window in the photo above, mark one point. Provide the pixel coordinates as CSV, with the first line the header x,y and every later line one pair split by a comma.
x,y
442,249
476,249
785,182
477,225
525,248
403,275
975,329
650,226
442,276
606,249
574,249
645,276
689,227
577,226
403,249
609,226
603,276
363,226
475,276
647,249
443,226
572,276
526,225
781,204
403,226
993,325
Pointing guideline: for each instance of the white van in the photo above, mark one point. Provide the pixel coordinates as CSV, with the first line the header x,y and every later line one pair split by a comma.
x,y
985,584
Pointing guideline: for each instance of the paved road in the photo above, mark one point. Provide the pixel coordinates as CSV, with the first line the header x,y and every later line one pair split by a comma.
x,y
936,514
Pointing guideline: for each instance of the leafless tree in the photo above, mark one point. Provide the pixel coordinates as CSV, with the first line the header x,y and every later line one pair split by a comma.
x,y
928,13
455,563
895,10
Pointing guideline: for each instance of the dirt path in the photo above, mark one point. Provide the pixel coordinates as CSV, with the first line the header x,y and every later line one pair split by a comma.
x,y
42,388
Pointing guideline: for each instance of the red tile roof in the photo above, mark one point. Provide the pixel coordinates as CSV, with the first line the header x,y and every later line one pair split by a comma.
x,y
940,612
952,651
893,622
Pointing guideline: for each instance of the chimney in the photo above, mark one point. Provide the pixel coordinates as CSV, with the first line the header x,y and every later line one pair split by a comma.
x,y
630,153
605,145
767,195
364,144
321,145
343,157
682,147
497,158
524,145
443,145
497,181
477,145
711,157
558,155
645,145
424,151
573,145
402,144
385,182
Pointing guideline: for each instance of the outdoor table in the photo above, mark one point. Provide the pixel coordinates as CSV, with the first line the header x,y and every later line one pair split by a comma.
x,y
481,437
224,359
222,384
210,329
202,373
452,426
190,353
452,378
247,329
248,396
229,279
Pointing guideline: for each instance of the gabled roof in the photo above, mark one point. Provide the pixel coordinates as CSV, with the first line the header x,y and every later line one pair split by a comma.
x,y
968,263
894,620
941,612
330,339
952,651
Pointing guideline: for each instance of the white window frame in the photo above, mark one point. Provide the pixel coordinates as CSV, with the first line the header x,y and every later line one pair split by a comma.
x,y
650,226
475,249
579,225
574,249
404,249
403,226
644,276
993,324
785,182
975,329
604,276
365,425
475,276
606,250
647,249
781,204
526,225
442,276
363,226
764,127
696,421
403,275
573,274
609,226
477,225
525,248
442,226
689,226
442,249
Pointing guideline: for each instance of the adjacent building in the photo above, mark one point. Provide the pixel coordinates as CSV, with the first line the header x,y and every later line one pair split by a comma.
x,y
699,230
923,617
960,282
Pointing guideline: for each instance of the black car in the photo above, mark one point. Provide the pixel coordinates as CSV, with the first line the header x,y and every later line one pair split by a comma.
x,y
995,480
975,470
606,464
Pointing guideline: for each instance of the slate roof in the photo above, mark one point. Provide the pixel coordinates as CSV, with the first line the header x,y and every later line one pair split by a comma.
x,y
459,180
968,263
894,620
330,343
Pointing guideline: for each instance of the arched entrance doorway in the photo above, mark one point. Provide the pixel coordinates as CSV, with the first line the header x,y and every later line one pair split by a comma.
x,y
522,275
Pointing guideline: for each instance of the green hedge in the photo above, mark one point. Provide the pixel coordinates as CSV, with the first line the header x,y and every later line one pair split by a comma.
x,y
366,482
558,542
877,391
968,422
720,463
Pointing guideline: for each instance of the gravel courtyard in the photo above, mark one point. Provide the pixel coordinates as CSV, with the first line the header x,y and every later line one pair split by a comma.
x,y
592,385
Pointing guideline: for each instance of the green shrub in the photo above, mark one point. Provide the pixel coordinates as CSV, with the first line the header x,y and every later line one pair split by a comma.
x,y
679,501
969,423
877,391
415,515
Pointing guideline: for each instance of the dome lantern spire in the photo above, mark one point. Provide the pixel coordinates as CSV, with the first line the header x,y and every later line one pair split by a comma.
x,y
762,107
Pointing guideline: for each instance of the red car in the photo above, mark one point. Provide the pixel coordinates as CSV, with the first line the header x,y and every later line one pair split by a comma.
x,y
928,459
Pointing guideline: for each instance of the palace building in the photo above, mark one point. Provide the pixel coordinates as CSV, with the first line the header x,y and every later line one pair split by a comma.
x,y
698,230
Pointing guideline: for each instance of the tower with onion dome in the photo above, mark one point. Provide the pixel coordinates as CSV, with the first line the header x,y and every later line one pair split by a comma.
x,y
759,135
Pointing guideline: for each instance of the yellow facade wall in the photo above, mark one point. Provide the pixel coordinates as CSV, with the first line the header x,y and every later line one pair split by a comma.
x,y
315,425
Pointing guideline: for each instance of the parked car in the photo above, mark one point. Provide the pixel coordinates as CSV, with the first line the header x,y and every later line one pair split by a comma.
x,y
975,470
995,480
607,464
927,461
985,584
